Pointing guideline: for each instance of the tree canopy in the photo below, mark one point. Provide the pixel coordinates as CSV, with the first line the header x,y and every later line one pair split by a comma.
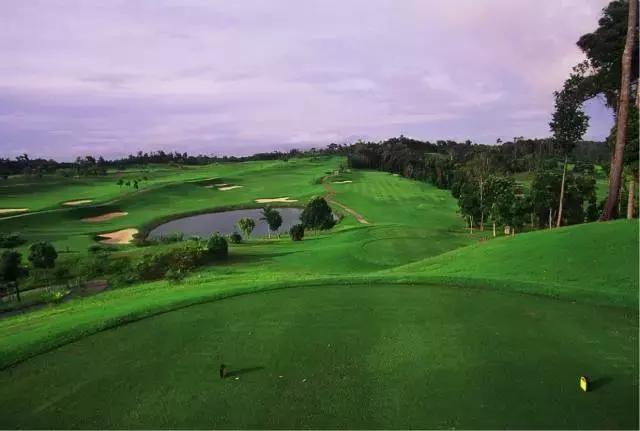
x,y
603,47
246,225
272,217
42,255
317,215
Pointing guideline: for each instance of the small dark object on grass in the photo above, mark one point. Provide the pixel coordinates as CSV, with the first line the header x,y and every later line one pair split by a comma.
x,y
297,232
235,238
223,371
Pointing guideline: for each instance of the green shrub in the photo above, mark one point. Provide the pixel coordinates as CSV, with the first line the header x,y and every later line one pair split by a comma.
x,y
187,257
54,294
61,273
182,260
217,246
151,267
175,276
11,240
296,232
140,240
42,255
235,238
172,237
97,248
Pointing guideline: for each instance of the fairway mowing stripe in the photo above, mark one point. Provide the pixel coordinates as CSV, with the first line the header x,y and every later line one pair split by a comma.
x,y
330,193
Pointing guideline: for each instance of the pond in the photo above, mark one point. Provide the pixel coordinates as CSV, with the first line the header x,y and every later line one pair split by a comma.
x,y
225,222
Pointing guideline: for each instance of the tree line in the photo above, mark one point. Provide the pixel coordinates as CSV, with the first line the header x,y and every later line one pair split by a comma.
x,y
89,165
563,167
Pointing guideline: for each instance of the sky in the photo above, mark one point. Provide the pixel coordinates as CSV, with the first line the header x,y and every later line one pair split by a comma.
x,y
237,77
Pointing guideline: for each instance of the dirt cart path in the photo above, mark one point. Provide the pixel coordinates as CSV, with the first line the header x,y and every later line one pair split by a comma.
x,y
330,197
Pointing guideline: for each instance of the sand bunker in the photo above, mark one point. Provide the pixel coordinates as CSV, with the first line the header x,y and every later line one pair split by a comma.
x,y
123,236
268,200
224,189
13,210
105,217
80,202
210,186
342,182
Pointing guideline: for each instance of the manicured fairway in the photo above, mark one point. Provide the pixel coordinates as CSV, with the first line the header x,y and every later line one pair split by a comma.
x,y
371,328
349,357
167,193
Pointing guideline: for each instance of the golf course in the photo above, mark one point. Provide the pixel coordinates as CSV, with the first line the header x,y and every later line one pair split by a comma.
x,y
399,316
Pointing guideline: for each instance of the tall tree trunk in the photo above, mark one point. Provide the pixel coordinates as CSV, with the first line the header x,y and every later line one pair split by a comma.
x,y
494,229
623,113
619,210
630,202
17,291
481,207
550,218
560,205
638,94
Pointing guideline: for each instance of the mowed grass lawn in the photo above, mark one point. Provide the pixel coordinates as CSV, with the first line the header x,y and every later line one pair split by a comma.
x,y
406,322
341,357
594,262
171,191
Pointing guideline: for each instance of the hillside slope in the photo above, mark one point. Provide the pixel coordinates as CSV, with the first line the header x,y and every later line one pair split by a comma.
x,y
596,262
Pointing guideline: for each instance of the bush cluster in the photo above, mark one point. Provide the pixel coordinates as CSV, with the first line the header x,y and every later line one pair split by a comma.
x,y
175,263
297,232
217,246
178,260
11,240
235,238
171,238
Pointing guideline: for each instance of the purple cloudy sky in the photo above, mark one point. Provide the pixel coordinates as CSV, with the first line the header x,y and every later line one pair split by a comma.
x,y
235,77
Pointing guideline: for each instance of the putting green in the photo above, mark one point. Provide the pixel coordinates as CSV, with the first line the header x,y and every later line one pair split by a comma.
x,y
349,357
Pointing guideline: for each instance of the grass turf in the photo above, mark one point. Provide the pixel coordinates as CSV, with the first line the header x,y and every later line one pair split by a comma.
x,y
415,236
349,357
595,262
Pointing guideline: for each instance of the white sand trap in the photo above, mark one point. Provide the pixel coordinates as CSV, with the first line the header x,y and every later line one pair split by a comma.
x,y
210,186
80,202
13,210
105,217
123,236
269,200
342,182
224,189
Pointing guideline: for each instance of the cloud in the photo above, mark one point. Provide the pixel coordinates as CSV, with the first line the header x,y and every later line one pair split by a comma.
x,y
351,85
236,77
